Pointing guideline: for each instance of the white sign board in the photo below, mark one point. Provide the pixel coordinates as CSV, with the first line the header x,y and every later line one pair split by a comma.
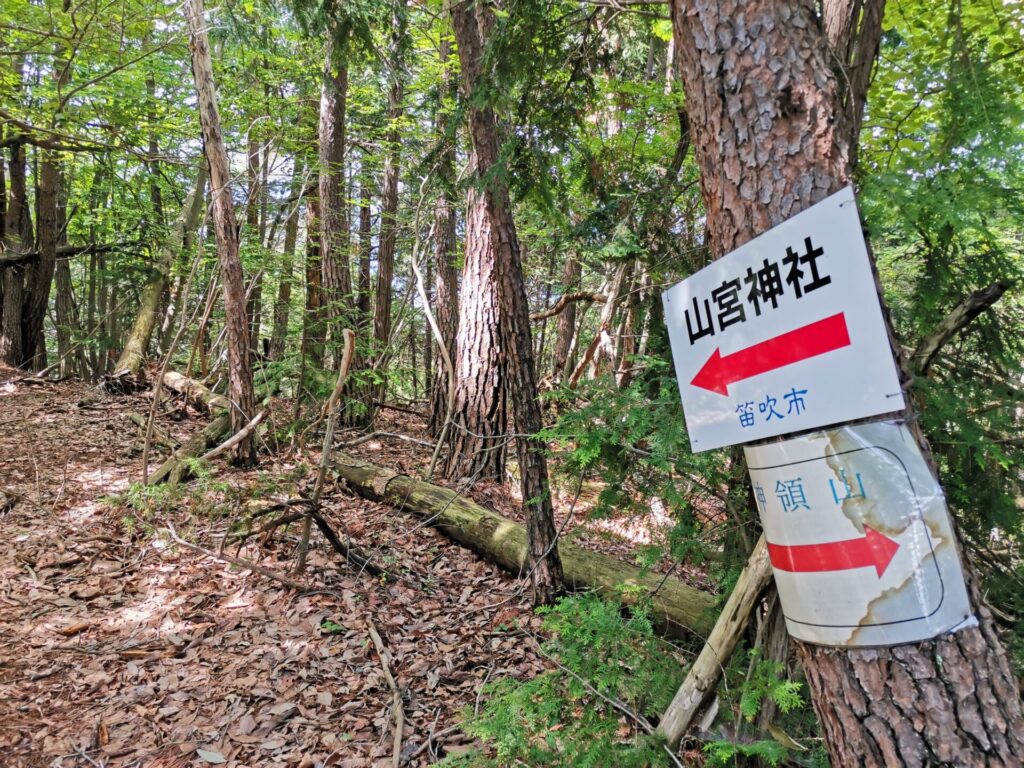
x,y
859,537
783,334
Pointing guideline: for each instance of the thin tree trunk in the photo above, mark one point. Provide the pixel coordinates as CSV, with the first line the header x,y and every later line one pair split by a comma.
x,y
17,238
239,363
254,304
446,289
283,303
952,700
546,568
313,327
571,273
389,200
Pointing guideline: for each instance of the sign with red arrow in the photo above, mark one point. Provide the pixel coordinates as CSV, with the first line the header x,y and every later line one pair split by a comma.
x,y
811,340
872,550
858,536
783,334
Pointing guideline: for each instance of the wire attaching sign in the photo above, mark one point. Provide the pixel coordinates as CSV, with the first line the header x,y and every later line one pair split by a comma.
x,y
783,334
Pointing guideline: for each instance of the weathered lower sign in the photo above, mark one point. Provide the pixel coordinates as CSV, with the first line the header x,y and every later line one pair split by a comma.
x,y
783,334
859,537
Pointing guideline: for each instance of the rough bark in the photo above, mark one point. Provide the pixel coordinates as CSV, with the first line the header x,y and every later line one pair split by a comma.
x,y
764,103
239,363
476,445
675,606
334,230
154,293
469,22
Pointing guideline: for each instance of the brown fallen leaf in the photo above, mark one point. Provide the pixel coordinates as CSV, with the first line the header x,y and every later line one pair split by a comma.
x,y
74,629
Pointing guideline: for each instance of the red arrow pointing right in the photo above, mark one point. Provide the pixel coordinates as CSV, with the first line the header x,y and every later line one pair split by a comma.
x,y
802,343
874,549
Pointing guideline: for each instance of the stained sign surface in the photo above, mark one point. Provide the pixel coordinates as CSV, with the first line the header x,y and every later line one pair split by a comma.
x,y
783,334
859,537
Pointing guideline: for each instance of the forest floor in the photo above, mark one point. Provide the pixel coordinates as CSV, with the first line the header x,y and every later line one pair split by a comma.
x,y
119,647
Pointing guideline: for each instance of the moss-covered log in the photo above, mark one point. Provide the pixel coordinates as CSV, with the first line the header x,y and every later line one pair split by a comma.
x,y
677,607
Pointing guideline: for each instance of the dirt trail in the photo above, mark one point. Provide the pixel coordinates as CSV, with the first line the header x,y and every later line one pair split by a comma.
x,y
118,648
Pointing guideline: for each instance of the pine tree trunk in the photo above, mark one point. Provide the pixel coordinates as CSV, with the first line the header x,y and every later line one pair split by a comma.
x,y
476,440
239,361
468,21
763,103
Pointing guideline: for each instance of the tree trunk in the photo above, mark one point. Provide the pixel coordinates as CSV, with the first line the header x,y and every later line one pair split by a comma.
x,y
253,204
389,204
476,442
446,289
39,275
334,230
17,238
469,21
153,294
239,362
363,302
283,303
769,144
313,328
571,273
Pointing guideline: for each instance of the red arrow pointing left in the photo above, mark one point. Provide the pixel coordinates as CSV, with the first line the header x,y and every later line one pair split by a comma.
x,y
872,549
802,343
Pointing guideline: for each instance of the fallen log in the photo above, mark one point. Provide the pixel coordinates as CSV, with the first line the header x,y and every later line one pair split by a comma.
x,y
176,468
675,606
194,392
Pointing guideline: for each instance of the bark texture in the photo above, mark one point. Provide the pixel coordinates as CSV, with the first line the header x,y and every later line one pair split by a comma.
x,y
476,445
334,234
239,362
470,21
765,104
